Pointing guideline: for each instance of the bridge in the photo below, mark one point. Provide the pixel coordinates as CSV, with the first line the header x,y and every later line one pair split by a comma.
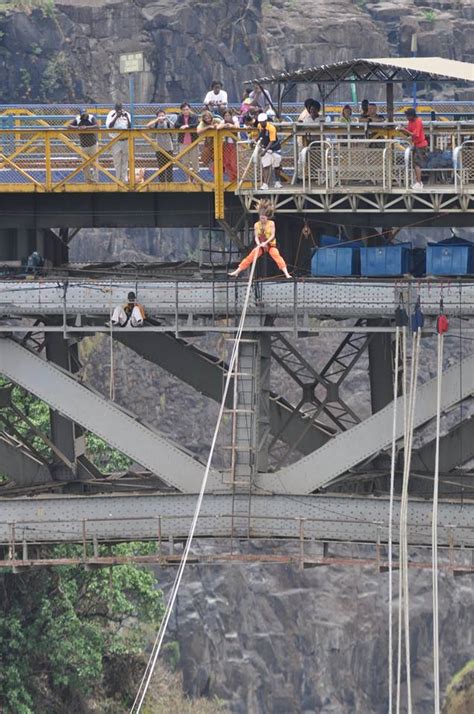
x,y
313,467
331,170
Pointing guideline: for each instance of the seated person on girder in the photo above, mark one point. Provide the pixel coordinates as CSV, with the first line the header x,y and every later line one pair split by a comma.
x,y
132,312
264,230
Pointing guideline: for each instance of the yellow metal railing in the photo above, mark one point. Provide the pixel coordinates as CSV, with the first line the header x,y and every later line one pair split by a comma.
x,y
99,160
169,160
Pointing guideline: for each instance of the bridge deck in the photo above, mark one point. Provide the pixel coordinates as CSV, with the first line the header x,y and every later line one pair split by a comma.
x,y
180,301
325,166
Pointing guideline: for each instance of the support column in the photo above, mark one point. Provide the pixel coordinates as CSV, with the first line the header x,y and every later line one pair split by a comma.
x,y
380,366
64,433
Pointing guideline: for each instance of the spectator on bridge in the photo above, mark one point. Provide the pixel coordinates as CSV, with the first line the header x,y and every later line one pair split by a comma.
x,y
87,141
313,118
118,118
270,152
373,114
187,120
164,142
247,104
260,97
347,116
305,113
131,312
364,110
416,132
264,232
229,145
216,99
34,263
208,121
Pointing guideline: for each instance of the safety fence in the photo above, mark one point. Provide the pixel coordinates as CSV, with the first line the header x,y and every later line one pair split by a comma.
x,y
322,157
58,115
317,157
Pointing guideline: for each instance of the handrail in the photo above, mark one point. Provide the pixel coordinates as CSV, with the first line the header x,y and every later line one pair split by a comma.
x,y
459,169
55,159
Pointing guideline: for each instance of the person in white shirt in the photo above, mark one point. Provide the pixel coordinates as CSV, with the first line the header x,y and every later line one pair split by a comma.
x,y
131,313
216,98
260,97
118,118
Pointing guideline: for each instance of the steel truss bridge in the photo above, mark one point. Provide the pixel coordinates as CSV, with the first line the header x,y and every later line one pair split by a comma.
x,y
311,471
311,468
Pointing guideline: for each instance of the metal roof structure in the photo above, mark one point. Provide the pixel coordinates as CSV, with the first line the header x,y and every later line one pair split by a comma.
x,y
384,69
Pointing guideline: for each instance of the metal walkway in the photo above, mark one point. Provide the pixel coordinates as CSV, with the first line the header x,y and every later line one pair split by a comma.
x,y
120,429
181,301
152,516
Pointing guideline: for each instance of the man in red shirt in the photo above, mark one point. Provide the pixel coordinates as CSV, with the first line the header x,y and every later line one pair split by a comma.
x,y
420,145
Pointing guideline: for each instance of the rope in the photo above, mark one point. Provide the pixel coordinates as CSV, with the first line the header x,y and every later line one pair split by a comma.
x,y
112,364
145,682
390,524
404,610
434,533
442,326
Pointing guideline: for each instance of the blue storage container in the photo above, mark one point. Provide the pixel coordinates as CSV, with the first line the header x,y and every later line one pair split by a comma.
x,y
448,258
386,260
336,261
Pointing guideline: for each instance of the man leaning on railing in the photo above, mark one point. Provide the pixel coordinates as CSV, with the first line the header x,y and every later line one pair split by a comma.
x,y
118,118
87,141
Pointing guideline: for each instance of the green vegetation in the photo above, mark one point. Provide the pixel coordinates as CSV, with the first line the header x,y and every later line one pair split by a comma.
x,y
56,76
459,697
103,456
47,7
429,15
65,630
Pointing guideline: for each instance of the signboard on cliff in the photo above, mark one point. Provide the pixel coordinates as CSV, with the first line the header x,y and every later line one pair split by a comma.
x,y
131,62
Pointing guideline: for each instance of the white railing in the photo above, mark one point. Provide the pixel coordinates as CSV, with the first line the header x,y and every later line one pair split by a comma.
x,y
463,161
332,161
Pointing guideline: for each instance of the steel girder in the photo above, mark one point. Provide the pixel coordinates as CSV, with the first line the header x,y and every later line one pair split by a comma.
x,y
456,449
204,372
136,517
329,379
21,466
371,436
85,407
355,201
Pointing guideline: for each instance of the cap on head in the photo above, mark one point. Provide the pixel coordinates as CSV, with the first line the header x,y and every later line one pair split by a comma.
x,y
81,111
262,117
118,106
131,297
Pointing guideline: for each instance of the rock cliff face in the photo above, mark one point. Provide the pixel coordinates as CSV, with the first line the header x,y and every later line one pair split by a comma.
x,y
272,639
71,52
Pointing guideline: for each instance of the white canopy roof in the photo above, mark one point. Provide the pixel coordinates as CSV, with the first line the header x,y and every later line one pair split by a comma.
x,y
383,69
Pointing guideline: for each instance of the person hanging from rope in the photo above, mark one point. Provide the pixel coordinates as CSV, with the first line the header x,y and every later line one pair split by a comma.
x,y
264,230
132,312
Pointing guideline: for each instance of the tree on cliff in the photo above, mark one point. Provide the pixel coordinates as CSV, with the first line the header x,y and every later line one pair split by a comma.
x,y
66,631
